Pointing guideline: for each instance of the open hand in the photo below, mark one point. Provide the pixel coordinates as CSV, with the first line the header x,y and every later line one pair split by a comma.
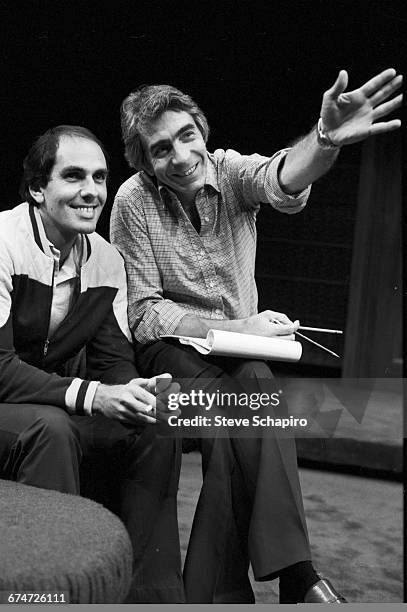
x,y
351,116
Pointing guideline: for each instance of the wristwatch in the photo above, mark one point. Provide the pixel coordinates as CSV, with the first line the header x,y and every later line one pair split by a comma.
x,y
323,140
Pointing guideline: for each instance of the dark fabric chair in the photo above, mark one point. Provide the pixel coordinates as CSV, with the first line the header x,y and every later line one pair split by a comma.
x,y
53,543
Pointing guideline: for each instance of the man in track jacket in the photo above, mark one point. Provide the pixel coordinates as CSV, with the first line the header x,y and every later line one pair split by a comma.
x,y
74,416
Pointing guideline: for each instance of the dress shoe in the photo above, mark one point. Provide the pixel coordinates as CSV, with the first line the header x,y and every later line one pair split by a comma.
x,y
323,592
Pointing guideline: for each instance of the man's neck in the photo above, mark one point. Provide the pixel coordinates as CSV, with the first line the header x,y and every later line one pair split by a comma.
x,y
61,242
187,202
189,206
64,255
64,248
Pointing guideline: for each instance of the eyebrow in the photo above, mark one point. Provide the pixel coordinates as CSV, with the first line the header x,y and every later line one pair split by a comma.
x,y
163,141
68,169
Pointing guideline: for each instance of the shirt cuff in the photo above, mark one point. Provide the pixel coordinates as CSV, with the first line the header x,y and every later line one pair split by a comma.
x,y
280,200
160,319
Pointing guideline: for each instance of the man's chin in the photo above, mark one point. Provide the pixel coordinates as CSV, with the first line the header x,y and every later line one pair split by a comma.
x,y
190,187
86,227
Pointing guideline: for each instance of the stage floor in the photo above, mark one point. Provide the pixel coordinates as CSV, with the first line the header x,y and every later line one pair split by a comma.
x,y
355,527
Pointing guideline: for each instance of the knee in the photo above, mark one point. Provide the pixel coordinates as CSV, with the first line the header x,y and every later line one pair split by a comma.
x,y
253,369
55,425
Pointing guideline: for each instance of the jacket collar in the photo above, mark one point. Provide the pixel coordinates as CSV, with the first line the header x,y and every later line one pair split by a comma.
x,y
40,237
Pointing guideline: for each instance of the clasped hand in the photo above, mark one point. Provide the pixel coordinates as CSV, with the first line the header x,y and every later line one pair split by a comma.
x,y
142,400
349,117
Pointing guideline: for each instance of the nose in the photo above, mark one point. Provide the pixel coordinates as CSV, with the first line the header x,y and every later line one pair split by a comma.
x,y
180,154
88,190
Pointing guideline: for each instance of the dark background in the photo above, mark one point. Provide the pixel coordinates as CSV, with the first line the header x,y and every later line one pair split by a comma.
x,y
257,68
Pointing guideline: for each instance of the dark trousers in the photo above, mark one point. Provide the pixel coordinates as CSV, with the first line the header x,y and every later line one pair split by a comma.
x,y
131,470
250,508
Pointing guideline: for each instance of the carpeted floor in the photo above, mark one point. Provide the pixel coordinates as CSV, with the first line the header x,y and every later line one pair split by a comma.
x,y
355,527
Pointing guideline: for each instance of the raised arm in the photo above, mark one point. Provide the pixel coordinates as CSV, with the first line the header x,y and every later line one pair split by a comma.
x,y
346,117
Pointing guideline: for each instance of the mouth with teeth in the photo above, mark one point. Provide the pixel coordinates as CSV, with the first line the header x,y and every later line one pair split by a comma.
x,y
187,173
86,212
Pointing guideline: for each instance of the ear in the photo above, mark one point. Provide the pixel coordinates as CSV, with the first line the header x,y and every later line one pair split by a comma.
x,y
37,194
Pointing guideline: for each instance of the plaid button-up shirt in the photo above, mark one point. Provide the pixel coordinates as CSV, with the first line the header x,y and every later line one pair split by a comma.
x,y
171,269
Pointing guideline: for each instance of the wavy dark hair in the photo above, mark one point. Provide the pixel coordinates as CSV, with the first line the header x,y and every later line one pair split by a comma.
x,y
146,104
40,159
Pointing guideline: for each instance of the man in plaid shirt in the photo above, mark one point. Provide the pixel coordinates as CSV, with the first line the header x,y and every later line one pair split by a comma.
x,y
185,225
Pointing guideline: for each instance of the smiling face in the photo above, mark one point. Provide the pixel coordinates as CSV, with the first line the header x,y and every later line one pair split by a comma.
x,y
74,196
176,153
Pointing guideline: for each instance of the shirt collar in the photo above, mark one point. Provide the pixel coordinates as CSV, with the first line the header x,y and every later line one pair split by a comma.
x,y
211,174
71,266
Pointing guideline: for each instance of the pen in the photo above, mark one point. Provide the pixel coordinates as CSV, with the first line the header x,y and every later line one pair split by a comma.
x,y
309,339
321,329
316,344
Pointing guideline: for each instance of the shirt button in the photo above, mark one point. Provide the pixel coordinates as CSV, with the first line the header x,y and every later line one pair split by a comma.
x,y
206,219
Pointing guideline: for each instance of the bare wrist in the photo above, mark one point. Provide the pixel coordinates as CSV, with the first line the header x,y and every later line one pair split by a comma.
x,y
241,325
98,399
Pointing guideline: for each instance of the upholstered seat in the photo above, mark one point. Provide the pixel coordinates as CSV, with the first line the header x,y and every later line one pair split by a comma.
x,y
52,542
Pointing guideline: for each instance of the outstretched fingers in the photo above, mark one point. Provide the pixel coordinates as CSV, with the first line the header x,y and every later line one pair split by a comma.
x,y
384,126
371,87
386,91
387,107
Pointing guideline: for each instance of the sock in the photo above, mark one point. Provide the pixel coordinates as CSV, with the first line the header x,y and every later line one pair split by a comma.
x,y
295,580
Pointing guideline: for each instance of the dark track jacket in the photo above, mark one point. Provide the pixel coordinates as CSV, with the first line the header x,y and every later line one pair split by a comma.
x,y
33,366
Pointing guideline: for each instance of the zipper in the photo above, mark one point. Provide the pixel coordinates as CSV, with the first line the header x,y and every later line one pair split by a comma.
x,y
77,292
46,345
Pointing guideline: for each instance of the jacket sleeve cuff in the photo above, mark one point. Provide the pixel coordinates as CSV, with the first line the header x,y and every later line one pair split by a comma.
x,y
79,396
89,396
